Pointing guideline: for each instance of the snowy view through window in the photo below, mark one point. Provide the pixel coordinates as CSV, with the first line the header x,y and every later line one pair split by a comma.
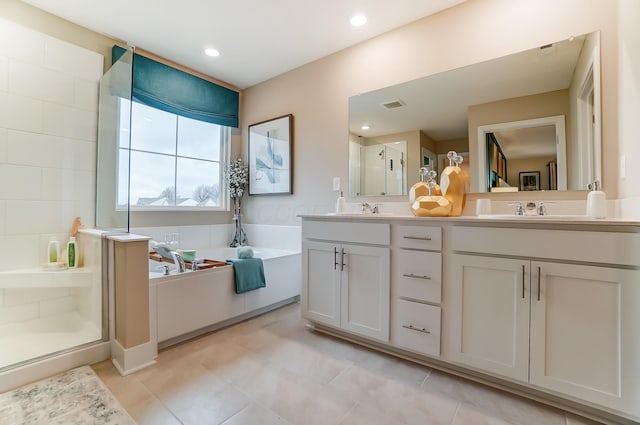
x,y
175,161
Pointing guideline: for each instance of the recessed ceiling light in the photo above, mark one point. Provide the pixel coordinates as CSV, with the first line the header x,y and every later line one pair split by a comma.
x,y
358,20
211,52
365,127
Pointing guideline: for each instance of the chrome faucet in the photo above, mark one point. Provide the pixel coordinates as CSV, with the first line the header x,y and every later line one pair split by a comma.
x,y
519,207
179,262
542,207
375,209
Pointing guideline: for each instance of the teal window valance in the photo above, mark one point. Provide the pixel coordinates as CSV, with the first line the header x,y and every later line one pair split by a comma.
x,y
169,89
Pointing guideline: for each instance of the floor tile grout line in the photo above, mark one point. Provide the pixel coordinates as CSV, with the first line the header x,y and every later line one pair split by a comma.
x,y
342,372
425,379
455,414
346,414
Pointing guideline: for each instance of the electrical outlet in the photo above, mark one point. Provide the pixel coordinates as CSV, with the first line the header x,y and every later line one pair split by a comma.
x,y
336,184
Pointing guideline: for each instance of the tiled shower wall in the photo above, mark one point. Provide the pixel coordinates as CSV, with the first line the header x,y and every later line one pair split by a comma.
x,y
48,127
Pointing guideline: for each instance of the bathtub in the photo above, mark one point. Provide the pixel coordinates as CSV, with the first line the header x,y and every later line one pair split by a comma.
x,y
192,303
219,254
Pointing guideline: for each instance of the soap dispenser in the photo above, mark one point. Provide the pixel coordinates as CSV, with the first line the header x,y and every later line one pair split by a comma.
x,y
596,201
341,203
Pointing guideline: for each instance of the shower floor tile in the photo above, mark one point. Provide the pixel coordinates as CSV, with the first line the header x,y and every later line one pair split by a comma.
x,y
36,338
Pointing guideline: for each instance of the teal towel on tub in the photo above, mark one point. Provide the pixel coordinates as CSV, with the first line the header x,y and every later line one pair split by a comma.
x,y
248,274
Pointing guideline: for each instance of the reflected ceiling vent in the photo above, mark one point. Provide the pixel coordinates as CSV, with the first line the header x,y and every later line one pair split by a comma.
x,y
392,104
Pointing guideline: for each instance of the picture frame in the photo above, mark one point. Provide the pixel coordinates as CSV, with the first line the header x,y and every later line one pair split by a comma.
x,y
270,153
529,180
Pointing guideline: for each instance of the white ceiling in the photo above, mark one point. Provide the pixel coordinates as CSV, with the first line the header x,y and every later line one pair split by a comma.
x,y
529,142
258,39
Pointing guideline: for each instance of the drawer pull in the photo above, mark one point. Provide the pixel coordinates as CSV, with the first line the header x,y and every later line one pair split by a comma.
x,y
412,328
418,238
523,281
415,276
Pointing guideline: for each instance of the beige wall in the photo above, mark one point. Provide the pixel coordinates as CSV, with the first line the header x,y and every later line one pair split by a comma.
x,y
515,166
317,93
629,98
516,109
458,145
413,51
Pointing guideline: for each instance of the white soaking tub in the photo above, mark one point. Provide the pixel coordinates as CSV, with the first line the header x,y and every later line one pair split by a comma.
x,y
192,303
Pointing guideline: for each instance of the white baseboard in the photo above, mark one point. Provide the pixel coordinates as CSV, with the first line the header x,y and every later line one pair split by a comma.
x,y
62,362
129,360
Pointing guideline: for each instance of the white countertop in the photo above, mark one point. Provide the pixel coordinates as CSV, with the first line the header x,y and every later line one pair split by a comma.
x,y
483,219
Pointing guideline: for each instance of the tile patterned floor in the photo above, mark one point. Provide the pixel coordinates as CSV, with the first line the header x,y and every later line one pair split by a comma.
x,y
271,370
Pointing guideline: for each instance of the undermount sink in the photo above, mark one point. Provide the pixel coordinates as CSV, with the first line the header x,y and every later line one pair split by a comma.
x,y
565,217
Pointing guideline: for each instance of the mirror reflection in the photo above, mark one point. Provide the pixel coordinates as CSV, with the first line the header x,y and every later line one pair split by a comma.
x,y
527,121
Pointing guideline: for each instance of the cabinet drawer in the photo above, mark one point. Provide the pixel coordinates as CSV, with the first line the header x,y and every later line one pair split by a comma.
x,y
418,237
417,275
417,327
574,245
367,233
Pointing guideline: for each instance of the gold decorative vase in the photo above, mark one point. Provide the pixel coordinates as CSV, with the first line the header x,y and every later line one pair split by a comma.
x,y
431,206
428,204
422,187
455,184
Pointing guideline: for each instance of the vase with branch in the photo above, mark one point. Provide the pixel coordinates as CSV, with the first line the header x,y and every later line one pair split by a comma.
x,y
237,178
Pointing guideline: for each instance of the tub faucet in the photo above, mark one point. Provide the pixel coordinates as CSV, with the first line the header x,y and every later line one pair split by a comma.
x,y
194,264
179,262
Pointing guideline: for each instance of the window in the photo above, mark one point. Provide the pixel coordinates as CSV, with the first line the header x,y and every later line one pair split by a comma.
x,y
176,162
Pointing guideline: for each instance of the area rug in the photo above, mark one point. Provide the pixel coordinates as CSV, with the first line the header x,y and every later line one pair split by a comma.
x,y
75,397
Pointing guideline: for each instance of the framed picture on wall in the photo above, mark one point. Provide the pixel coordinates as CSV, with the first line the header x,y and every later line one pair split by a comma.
x,y
529,180
270,146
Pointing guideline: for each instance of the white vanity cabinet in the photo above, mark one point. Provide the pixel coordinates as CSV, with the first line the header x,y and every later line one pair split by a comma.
x,y
416,288
561,324
489,314
346,276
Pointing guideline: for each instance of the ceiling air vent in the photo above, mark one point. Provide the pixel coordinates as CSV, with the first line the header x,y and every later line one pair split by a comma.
x,y
392,104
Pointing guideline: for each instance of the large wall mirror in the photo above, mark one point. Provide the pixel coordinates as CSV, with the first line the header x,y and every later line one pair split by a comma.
x,y
527,121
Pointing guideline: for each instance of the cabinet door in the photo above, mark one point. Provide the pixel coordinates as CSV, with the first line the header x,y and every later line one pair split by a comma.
x,y
321,282
583,341
489,314
365,291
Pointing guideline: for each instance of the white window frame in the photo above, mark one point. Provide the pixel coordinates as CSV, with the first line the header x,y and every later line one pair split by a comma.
x,y
225,155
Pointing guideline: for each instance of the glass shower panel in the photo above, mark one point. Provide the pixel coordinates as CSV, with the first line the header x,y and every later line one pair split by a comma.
x,y
114,131
48,310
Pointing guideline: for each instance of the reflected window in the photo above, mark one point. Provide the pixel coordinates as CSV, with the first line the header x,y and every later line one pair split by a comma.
x,y
175,162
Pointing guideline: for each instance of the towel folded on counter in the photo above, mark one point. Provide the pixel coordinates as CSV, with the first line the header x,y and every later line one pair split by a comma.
x,y
248,274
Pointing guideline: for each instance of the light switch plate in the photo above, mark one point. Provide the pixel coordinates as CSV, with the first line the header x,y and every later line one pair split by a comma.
x,y
336,184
